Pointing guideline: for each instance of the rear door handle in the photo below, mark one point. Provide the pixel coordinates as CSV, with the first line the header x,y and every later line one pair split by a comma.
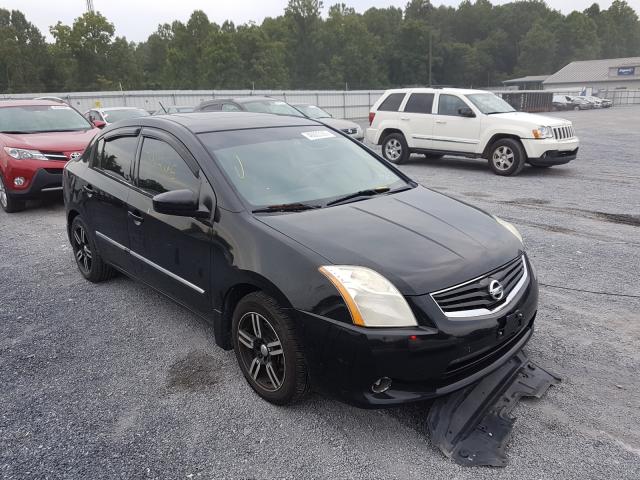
x,y
441,122
137,219
88,188
405,118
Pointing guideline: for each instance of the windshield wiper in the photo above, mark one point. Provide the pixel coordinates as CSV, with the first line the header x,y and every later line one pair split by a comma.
x,y
286,207
493,113
15,132
371,192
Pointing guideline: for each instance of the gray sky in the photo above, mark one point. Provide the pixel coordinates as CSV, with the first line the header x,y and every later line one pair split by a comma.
x,y
136,19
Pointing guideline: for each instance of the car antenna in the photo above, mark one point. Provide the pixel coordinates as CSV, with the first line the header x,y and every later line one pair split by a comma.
x,y
165,110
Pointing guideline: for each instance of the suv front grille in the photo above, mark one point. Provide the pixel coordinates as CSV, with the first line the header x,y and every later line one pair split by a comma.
x,y
472,298
58,156
563,133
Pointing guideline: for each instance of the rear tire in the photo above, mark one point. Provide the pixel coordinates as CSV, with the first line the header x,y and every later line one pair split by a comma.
x,y
7,201
507,157
268,350
90,263
395,148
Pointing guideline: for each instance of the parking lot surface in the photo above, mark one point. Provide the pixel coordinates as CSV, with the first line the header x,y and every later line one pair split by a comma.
x,y
116,381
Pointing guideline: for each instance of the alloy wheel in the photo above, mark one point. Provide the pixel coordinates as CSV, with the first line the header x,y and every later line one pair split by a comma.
x,y
261,351
393,149
82,249
503,158
3,194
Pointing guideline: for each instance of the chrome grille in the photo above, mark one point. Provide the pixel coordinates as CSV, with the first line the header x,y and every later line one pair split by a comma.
x,y
563,133
350,131
472,298
58,156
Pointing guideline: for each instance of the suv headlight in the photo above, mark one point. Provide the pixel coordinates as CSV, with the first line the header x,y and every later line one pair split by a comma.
x,y
372,300
22,154
510,227
542,132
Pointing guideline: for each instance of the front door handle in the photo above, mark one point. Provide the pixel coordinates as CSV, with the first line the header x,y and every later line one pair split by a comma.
x,y
88,189
137,219
441,122
405,118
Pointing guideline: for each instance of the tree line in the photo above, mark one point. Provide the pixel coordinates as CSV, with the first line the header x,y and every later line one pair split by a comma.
x,y
475,44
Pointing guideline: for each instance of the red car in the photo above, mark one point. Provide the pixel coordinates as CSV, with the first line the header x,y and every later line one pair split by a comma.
x,y
37,138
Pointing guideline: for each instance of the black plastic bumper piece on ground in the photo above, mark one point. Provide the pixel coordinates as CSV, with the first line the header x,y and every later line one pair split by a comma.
x,y
472,426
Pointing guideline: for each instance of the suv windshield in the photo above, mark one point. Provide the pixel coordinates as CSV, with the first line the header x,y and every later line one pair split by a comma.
x,y
41,118
312,111
296,165
489,103
272,106
116,115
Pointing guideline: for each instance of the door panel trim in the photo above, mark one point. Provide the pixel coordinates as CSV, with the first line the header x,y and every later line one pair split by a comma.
x,y
446,139
150,263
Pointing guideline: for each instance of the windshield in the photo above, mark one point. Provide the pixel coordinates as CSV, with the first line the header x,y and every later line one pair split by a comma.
x,y
312,111
272,106
489,103
117,115
41,118
278,166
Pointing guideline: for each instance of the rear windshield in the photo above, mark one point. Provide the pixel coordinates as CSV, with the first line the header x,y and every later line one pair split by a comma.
x,y
41,118
117,115
272,106
271,166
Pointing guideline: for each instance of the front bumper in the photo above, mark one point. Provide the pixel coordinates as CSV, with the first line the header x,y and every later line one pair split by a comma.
x,y
423,362
539,149
43,180
554,157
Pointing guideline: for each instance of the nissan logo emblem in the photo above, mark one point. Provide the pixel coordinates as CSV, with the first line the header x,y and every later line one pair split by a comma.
x,y
496,290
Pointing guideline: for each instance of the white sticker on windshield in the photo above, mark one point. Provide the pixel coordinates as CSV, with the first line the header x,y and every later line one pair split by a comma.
x,y
318,134
60,107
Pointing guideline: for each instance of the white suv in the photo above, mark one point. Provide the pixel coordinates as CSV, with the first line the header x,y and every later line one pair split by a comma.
x,y
471,123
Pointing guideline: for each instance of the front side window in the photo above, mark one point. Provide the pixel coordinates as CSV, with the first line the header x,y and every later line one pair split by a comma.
x,y
41,118
162,169
287,165
488,103
391,103
115,156
419,103
450,104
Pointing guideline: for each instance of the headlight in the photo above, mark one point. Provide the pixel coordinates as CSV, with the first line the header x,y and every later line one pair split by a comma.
x,y
510,227
542,132
372,300
22,154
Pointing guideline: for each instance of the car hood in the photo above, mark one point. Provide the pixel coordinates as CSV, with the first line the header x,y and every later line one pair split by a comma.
x,y
339,123
50,141
422,241
530,119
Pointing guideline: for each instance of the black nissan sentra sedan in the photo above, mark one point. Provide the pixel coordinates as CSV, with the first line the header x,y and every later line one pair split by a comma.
x,y
322,265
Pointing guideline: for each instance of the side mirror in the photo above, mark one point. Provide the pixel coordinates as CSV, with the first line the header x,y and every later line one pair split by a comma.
x,y
99,124
466,112
181,203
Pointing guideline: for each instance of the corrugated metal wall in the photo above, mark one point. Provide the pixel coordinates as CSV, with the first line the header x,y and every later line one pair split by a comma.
x,y
341,104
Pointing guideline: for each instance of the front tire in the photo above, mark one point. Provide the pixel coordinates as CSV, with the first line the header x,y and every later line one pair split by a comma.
x,y
7,201
395,148
507,157
90,263
268,350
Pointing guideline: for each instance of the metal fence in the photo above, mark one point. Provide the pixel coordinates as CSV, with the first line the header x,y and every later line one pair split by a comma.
x,y
353,104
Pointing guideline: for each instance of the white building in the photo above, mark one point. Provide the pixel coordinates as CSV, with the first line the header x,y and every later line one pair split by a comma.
x,y
597,75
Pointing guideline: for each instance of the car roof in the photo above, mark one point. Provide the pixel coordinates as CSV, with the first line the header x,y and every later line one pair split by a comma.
x,y
26,103
245,99
108,109
201,122
460,91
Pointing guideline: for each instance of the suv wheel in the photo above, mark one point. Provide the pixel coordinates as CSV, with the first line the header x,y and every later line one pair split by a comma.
x,y
507,157
8,203
395,149
268,351
90,263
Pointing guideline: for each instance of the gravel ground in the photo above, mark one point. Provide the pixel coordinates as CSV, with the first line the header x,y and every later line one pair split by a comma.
x,y
115,381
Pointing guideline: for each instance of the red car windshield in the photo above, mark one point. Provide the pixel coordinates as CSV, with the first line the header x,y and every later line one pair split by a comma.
x,y
41,118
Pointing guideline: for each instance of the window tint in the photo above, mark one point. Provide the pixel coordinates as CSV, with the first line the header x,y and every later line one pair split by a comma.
x,y
116,156
419,103
162,169
230,107
391,103
449,105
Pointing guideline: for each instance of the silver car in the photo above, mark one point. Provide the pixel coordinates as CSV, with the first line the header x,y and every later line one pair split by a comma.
x,y
317,113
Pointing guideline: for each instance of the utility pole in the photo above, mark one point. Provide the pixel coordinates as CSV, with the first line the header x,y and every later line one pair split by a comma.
x,y
430,52
90,8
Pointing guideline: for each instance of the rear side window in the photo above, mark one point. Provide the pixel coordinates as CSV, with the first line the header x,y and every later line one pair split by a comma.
x,y
230,107
449,105
391,103
162,169
419,103
115,156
